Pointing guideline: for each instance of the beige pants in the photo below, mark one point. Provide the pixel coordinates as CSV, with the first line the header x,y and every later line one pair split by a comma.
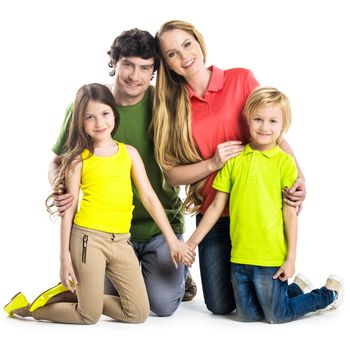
x,y
94,254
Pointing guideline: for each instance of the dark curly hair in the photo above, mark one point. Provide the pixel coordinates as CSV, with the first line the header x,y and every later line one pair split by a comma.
x,y
133,43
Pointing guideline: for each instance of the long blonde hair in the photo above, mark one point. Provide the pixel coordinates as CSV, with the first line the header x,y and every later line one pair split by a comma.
x,y
78,140
171,124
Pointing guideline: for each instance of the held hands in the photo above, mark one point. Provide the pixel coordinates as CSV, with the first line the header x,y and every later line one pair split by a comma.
x,y
181,259
286,271
67,275
295,196
182,253
224,152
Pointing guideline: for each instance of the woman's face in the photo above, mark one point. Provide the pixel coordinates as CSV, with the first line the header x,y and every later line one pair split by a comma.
x,y
182,52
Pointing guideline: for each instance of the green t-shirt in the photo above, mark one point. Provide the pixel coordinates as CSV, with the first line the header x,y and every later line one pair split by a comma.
x,y
255,181
134,130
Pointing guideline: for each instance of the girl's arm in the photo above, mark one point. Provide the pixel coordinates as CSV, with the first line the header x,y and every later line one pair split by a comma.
x,y
154,207
290,222
188,174
209,219
297,193
67,274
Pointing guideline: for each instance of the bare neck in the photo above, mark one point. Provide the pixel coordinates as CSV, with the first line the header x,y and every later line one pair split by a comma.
x,y
199,82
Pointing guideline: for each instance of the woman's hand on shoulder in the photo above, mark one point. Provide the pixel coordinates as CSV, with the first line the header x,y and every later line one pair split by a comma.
x,y
295,195
224,152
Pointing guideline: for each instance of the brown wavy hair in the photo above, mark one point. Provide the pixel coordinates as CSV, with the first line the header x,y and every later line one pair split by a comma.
x,y
171,124
77,139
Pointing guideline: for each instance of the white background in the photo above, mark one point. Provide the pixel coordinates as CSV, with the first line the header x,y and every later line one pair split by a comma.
x,y
49,49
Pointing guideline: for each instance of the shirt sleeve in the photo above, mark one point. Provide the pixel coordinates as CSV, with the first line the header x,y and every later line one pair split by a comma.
x,y
223,181
58,147
251,83
289,172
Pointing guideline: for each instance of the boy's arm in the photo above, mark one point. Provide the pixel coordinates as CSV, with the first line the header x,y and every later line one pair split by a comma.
x,y
153,205
67,274
290,221
209,219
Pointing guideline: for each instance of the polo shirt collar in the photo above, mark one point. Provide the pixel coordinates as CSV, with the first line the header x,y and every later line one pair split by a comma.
x,y
269,153
216,82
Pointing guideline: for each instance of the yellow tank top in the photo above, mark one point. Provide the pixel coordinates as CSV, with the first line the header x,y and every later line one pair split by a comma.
x,y
106,202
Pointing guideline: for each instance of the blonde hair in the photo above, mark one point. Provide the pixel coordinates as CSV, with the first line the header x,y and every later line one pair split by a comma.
x,y
171,124
265,95
78,140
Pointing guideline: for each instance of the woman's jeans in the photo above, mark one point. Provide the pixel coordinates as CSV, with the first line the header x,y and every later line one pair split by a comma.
x,y
259,296
215,268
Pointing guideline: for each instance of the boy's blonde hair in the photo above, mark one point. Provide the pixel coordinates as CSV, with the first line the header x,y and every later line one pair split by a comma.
x,y
265,95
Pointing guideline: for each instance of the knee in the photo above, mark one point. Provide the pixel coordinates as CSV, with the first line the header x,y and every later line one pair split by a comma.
x,y
164,307
138,315
90,317
220,308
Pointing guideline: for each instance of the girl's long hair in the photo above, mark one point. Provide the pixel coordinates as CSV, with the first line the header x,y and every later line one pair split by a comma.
x,y
171,124
77,139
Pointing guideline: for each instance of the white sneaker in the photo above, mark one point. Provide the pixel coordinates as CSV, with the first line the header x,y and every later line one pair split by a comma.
x,y
303,283
335,283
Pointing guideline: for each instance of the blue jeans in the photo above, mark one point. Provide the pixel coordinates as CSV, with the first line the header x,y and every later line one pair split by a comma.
x,y
259,296
215,268
214,263
164,283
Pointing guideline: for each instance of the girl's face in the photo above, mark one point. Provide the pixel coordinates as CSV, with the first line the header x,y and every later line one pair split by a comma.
x,y
99,121
265,127
182,52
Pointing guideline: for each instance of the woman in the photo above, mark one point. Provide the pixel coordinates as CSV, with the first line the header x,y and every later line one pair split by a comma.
x,y
198,126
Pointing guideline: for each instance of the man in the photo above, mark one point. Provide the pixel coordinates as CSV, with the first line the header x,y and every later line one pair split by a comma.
x,y
134,61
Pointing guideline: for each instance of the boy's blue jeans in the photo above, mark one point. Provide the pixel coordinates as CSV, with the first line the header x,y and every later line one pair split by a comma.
x,y
215,268
258,296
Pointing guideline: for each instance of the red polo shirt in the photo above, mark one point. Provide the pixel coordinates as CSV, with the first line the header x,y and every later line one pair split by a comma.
x,y
218,118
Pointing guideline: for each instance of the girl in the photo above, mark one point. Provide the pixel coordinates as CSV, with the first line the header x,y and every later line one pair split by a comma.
x,y
253,182
198,126
95,238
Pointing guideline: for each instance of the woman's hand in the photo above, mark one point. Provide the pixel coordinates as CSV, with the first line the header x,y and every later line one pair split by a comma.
x,y
295,196
224,152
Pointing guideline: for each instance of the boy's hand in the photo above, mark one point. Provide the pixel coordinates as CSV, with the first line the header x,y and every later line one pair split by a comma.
x,y
287,270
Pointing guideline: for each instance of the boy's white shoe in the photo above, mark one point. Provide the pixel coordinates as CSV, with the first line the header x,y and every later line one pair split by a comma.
x,y
335,283
303,283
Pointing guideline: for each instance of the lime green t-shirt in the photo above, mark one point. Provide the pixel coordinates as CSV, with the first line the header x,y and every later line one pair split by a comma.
x,y
134,130
255,181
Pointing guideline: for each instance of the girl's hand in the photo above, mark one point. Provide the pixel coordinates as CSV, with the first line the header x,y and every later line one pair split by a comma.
x,y
224,152
67,275
181,253
295,196
287,270
62,202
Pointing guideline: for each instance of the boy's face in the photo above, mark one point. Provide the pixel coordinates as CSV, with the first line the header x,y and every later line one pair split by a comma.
x,y
265,126
133,76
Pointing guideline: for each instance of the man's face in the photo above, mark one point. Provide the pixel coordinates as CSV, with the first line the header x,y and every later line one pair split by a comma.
x,y
133,76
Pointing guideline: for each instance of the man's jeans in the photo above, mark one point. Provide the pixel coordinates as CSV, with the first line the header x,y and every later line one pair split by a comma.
x,y
164,283
259,296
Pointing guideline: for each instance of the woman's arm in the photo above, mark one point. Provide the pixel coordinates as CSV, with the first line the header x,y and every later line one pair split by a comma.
x,y
67,274
151,202
188,174
290,221
297,193
209,219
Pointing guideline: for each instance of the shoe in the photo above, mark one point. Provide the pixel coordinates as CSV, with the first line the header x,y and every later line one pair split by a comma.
x,y
19,301
44,297
335,283
303,283
190,288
